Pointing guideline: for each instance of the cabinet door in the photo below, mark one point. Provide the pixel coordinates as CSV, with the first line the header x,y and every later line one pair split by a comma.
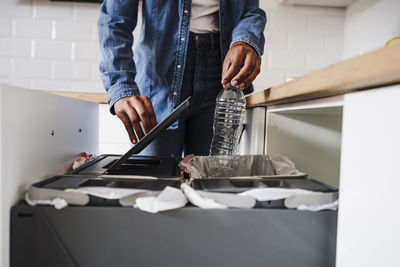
x,y
40,133
369,212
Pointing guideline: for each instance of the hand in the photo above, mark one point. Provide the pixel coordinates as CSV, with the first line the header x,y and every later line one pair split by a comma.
x,y
241,66
131,111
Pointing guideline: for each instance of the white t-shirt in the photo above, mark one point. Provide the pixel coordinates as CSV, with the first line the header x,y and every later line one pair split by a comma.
x,y
204,16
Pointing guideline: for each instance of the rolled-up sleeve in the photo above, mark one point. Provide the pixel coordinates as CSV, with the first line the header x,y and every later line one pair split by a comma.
x,y
250,28
116,23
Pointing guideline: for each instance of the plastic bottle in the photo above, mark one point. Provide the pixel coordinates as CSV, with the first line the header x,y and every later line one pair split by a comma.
x,y
228,121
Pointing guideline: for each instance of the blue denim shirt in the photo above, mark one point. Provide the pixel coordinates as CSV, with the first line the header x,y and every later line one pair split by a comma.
x,y
157,66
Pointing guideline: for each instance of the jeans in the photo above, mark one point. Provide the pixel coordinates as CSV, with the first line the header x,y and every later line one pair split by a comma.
x,y
201,81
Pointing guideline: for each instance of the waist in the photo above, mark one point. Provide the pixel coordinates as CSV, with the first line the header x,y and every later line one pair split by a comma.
x,y
204,39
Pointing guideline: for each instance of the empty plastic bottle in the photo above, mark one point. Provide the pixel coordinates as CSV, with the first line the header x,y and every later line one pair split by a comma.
x,y
228,121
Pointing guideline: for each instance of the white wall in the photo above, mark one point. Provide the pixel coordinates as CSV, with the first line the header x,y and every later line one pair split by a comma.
x,y
49,46
299,40
369,24
53,46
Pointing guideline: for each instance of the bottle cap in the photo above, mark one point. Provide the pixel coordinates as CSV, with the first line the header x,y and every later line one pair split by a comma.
x,y
230,85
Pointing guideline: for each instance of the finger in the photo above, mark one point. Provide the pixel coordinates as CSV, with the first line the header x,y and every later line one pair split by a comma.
x,y
245,71
253,75
150,111
224,83
246,83
225,67
234,68
128,126
141,111
135,122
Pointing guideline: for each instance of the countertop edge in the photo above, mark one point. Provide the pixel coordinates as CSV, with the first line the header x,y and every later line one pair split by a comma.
x,y
374,69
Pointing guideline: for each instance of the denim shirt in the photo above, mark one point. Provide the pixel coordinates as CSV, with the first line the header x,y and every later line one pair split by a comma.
x,y
157,66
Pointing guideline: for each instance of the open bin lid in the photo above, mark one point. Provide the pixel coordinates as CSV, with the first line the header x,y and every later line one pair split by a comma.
x,y
117,165
149,137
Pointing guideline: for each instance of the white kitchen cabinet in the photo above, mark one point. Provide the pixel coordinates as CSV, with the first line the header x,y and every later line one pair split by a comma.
x,y
369,213
309,133
353,142
40,133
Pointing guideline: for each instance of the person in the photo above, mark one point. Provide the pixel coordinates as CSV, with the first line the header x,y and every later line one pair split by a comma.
x,y
186,48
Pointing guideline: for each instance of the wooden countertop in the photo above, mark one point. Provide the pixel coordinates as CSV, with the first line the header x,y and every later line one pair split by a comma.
x,y
94,97
373,69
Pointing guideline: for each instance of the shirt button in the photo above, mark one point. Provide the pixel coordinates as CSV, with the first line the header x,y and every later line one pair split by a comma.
x,y
174,93
179,66
182,39
185,11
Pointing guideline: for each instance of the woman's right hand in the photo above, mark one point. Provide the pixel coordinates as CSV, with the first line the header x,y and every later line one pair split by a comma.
x,y
131,111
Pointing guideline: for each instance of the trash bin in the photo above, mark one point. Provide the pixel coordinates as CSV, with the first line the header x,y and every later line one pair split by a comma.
x,y
95,231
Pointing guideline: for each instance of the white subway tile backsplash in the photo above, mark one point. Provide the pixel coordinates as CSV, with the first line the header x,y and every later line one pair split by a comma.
x,y
16,9
286,60
15,48
95,34
334,43
292,74
305,41
44,9
288,22
5,67
276,40
74,31
290,37
319,60
84,86
32,28
323,24
95,71
29,68
86,12
71,70
51,85
51,49
5,27
86,52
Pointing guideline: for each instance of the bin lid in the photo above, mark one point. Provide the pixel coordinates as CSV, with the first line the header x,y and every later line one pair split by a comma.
x,y
150,136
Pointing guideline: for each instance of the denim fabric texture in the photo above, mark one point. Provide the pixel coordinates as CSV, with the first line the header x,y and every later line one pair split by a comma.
x,y
159,63
201,81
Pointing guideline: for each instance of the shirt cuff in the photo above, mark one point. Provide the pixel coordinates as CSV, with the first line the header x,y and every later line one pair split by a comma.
x,y
121,90
248,39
